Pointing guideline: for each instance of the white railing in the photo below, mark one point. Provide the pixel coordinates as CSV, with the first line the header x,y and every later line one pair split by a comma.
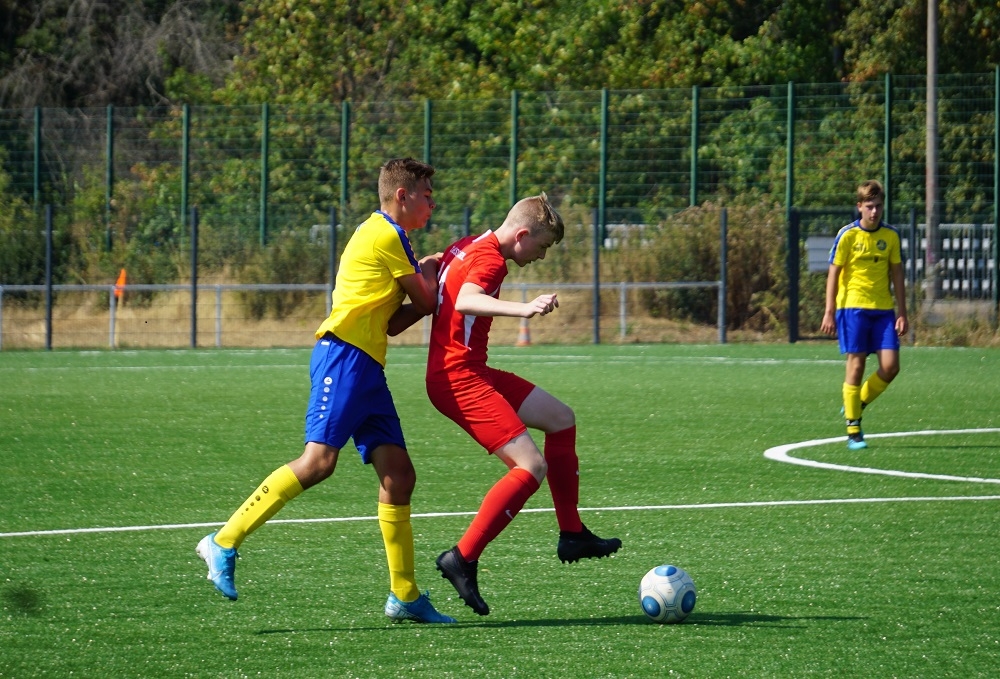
x,y
180,314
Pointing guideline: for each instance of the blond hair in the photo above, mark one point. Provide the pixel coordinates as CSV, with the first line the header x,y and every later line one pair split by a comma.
x,y
537,215
870,190
401,173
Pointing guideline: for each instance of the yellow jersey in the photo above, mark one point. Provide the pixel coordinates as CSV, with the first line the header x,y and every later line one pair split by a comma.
x,y
864,258
367,294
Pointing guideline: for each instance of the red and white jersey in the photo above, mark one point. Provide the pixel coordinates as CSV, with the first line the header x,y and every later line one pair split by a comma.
x,y
457,340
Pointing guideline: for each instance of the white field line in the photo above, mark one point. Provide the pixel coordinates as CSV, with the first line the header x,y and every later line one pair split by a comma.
x,y
781,454
433,515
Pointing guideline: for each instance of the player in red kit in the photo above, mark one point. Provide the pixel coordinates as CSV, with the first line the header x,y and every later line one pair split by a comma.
x,y
497,407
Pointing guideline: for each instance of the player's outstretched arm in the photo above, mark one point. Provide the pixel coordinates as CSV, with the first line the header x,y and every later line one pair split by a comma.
x,y
473,301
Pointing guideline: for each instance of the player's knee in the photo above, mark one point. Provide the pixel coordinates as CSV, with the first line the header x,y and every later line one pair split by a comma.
x,y
563,417
538,468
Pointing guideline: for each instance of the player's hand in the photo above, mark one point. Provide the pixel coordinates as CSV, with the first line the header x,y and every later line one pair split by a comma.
x,y
828,325
542,305
431,262
902,325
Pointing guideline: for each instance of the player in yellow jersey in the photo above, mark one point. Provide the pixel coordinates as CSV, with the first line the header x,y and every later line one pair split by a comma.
x,y
350,398
867,315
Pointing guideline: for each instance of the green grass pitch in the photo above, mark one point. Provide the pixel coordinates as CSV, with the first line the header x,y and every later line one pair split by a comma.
x,y
801,571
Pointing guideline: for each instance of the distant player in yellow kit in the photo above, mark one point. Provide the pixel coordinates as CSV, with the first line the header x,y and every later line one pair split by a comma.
x,y
867,315
350,398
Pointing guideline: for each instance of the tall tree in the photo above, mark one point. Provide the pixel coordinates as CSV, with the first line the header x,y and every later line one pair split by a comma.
x,y
70,53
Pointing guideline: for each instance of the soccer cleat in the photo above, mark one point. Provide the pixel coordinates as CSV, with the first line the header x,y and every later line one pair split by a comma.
x,y
856,441
463,575
419,610
221,565
584,545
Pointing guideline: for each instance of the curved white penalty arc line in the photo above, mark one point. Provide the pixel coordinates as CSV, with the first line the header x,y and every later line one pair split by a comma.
x,y
781,454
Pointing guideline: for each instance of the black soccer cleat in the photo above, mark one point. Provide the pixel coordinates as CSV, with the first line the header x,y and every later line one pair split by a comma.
x,y
463,576
584,545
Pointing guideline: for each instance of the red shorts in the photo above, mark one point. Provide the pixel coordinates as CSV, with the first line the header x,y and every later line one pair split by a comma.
x,y
483,403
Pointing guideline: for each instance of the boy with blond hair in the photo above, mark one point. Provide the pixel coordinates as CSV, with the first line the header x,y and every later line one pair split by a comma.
x,y
497,407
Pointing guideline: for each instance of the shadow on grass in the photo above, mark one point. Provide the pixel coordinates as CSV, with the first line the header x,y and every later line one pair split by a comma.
x,y
23,599
737,619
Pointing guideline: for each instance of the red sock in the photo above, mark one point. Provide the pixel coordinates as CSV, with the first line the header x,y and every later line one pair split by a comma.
x,y
500,506
564,478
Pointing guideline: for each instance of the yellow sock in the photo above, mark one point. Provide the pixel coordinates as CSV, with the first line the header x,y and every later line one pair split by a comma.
x,y
872,388
852,407
397,534
270,496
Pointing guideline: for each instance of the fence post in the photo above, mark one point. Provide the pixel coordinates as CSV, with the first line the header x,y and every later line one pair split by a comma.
x,y
185,158
723,271
693,199
913,267
622,289
109,175
597,277
996,197
790,153
345,139
602,188
112,307
333,259
194,277
887,148
48,277
514,98
792,267
265,140
36,182
218,315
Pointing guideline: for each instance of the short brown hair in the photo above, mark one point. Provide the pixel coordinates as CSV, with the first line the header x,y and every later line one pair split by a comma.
x,y
401,173
870,190
537,214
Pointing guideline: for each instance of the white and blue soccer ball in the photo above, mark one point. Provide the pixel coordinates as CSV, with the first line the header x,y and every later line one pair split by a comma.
x,y
667,594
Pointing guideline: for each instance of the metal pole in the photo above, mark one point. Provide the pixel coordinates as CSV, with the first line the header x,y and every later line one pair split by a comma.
x,y
265,140
597,277
602,189
996,197
48,277
792,268
428,115
932,279
109,175
790,153
887,148
723,271
345,139
194,277
693,199
333,258
185,157
514,106
466,220
218,315
914,258
36,183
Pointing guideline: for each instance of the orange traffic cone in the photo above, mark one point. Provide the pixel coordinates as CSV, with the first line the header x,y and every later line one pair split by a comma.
x,y
524,334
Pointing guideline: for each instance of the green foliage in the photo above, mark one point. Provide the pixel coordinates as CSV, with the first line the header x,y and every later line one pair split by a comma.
x,y
22,239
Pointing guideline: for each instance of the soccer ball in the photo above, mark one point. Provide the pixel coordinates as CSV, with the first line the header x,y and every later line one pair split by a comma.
x,y
667,594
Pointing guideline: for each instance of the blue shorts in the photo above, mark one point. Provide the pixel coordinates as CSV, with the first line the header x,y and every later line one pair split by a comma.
x,y
866,331
350,399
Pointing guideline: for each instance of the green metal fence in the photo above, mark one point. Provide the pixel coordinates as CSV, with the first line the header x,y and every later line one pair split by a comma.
x,y
133,173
